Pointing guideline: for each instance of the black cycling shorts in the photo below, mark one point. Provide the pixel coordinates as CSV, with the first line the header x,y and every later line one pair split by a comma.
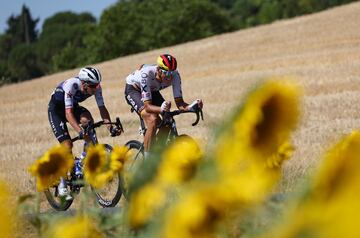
x,y
133,98
57,119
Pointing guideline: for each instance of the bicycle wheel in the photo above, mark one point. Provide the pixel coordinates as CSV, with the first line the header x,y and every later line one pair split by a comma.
x,y
136,150
110,195
55,201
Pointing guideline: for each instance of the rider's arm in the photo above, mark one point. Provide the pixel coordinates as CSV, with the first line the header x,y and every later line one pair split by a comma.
x,y
180,104
177,92
104,113
72,120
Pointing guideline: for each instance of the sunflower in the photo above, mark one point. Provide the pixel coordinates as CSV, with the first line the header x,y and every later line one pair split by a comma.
x,y
97,171
340,168
55,163
198,213
6,215
144,203
330,207
260,125
118,158
284,153
75,227
178,164
179,161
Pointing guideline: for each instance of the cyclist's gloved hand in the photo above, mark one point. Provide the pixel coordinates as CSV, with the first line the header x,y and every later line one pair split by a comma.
x,y
165,106
195,105
114,131
81,135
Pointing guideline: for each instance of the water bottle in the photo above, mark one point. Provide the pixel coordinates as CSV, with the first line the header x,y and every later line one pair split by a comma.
x,y
82,156
78,167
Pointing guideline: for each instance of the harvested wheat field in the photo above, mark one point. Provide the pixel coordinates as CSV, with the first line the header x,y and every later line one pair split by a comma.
x,y
321,51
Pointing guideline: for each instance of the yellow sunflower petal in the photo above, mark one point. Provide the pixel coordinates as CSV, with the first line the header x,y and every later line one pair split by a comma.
x,y
54,164
331,207
262,124
179,161
118,158
144,204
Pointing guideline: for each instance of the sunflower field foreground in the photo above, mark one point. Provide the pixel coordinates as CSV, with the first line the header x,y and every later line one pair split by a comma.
x,y
227,190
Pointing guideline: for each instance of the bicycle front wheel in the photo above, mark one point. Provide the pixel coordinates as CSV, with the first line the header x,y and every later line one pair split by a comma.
x,y
110,195
136,153
55,201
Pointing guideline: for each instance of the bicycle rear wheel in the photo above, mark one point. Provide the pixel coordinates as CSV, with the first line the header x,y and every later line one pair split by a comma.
x,y
136,152
110,195
55,201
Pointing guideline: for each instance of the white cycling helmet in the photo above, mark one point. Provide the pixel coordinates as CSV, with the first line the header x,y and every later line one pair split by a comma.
x,y
90,75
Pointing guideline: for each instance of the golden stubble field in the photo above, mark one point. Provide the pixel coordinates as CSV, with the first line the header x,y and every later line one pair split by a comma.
x,y
321,51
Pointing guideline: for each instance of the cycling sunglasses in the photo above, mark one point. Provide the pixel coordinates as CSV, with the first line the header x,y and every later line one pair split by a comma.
x,y
93,85
166,72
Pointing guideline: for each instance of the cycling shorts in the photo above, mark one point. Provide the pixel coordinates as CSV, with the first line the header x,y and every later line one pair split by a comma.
x,y
133,98
57,119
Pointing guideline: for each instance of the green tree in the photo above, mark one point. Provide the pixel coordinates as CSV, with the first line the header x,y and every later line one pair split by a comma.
x,y
5,76
270,11
22,28
130,27
245,12
61,31
22,63
226,4
16,45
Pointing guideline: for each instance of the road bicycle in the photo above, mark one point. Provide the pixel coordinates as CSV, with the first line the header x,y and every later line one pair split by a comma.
x,y
106,197
136,148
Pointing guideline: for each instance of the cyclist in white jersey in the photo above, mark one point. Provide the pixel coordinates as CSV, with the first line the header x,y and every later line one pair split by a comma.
x,y
142,93
64,107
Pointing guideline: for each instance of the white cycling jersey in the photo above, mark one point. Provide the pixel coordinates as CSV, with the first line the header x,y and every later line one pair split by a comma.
x,y
68,93
144,79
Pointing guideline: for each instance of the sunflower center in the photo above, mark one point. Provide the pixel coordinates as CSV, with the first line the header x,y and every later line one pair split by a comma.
x,y
94,162
266,128
52,166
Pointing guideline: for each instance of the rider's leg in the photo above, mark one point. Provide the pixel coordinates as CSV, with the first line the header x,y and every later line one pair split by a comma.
x,y
62,187
68,144
58,125
85,119
83,116
151,120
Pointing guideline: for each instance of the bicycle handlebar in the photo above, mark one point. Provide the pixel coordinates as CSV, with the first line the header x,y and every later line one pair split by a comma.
x,y
168,115
91,126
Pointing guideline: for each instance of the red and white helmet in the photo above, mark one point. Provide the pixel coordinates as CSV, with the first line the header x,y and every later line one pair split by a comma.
x,y
167,62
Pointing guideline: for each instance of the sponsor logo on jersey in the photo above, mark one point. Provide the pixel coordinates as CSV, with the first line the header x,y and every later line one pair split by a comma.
x,y
76,87
132,102
144,75
62,125
146,95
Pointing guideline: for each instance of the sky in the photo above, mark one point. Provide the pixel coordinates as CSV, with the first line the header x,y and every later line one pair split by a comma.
x,y
45,8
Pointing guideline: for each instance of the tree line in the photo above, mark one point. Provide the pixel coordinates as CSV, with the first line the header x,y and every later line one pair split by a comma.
x,y
68,40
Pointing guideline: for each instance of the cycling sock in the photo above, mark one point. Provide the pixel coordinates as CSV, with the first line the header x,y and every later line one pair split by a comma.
x,y
83,155
62,183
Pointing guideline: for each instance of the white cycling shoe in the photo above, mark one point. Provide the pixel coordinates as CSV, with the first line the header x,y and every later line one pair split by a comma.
x,y
64,192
